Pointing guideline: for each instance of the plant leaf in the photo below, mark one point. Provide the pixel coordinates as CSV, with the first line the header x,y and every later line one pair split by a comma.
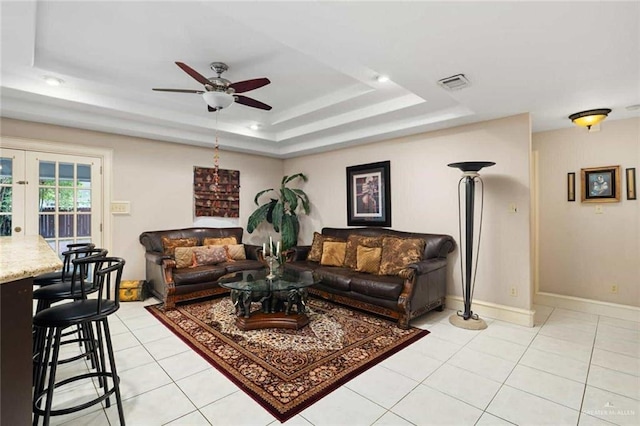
x,y
257,217
287,179
272,204
291,199
255,200
289,232
304,198
276,216
281,210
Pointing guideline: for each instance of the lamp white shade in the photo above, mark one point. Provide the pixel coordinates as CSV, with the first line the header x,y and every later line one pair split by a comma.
x,y
217,100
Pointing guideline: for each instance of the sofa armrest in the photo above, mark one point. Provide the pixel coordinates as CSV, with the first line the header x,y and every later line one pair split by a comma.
x,y
427,266
297,253
167,269
252,251
156,257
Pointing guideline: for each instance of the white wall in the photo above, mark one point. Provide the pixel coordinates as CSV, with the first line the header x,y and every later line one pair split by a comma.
x,y
157,178
424,196
583,253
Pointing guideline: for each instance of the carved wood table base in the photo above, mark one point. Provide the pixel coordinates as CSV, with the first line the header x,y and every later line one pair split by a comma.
x,y
260,319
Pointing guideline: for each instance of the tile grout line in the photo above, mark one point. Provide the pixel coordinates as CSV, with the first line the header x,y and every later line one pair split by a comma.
x,y
514,367
586,380
164,370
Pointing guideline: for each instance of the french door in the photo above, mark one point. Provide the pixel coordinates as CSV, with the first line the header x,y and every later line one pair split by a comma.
x,y
12,191
57,196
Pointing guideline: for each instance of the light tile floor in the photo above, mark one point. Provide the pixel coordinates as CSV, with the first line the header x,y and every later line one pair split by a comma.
x,y
572,368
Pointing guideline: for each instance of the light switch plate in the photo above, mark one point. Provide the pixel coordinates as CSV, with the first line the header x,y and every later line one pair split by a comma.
x,y
121,207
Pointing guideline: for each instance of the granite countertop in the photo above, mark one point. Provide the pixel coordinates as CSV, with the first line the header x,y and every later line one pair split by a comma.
x,y
26,256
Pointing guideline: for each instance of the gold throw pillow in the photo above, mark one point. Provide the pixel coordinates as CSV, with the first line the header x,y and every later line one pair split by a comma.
x,y
315,253
368,259
354,240
219,241
169,244
333,253
235,252
185,258
398,253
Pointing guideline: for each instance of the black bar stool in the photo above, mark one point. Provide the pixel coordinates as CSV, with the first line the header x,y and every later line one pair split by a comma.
x,y
64,289
67,267
82,282
90,312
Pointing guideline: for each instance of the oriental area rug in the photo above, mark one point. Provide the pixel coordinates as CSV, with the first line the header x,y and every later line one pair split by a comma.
x,y
283,370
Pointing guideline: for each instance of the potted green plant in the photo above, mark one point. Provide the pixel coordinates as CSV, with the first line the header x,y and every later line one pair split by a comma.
x,y
282,211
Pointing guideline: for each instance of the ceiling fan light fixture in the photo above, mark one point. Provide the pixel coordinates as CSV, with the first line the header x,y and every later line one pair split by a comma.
x,y
590,117
217,100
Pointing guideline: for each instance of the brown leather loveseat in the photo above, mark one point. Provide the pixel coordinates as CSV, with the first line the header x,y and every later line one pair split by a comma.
x,y
171,283
418,287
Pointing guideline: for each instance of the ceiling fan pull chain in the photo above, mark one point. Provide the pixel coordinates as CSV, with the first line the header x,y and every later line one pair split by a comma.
x,y
216,158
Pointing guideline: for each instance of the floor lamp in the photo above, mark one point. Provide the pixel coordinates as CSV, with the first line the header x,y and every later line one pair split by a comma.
x,y
470,176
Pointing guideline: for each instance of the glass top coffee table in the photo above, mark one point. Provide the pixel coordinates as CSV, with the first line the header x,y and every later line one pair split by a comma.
x,y
278,296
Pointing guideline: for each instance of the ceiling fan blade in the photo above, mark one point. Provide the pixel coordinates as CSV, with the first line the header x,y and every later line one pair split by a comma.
x,y
244,100
200,92
247,85
193,73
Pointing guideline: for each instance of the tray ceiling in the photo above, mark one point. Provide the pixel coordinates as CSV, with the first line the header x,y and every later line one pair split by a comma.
x,y
323,58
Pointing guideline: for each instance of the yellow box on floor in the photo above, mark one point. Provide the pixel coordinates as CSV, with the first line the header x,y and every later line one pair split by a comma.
x,y
132,290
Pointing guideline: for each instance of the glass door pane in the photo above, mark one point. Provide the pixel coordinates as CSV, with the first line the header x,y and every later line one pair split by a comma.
x,y
12,192
66,199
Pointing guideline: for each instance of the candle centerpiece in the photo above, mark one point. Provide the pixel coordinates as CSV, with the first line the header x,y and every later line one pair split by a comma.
x,y
271,255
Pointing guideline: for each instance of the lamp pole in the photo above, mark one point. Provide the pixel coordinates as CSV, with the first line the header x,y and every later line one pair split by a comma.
x,y
470,174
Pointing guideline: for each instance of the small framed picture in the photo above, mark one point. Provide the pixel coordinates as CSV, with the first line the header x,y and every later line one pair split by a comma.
x,y
631,184
369,194
600,184
571,186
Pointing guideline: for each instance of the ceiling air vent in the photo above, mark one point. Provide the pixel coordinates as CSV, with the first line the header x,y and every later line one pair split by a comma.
x,y
455,82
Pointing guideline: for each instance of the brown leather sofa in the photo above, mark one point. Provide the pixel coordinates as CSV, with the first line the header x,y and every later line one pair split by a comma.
x,y
419,290
172,285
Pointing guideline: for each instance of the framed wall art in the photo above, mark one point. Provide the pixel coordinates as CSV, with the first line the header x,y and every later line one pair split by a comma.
x,y
223,201
631,184
571,186
600,184
369,194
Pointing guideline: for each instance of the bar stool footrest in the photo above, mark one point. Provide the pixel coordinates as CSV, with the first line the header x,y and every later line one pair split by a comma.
x,y
37,399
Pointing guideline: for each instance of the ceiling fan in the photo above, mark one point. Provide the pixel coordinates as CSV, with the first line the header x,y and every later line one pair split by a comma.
x,y
219,92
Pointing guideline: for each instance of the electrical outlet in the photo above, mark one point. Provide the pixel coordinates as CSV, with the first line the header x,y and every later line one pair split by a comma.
x,y
513,208
513,292
614,288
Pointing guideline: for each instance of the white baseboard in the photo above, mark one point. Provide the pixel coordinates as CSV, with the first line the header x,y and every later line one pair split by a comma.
x,y
608,309
492,310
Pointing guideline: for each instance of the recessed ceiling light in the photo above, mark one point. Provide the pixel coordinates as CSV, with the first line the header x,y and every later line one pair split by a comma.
x,y
254,126
382,78
53,81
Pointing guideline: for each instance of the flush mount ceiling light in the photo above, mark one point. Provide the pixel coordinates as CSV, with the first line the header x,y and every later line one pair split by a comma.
x,y
53,81
382,78
217,100
589,118
254,126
